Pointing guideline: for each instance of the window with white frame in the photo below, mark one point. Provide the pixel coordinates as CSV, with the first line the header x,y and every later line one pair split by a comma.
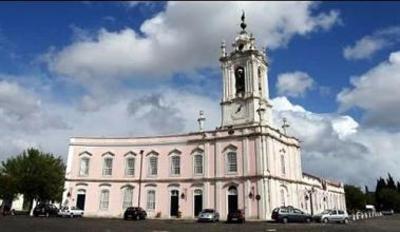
x,y
84,166
153,163
151,200
130,166
283,168
198,164
127,198
232,161
175,165
104,199
107,166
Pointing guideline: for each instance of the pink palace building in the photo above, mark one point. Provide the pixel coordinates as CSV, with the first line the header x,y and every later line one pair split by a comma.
x,y
246,163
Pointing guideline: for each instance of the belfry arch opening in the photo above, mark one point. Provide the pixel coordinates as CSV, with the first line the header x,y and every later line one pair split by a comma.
x,y
239,80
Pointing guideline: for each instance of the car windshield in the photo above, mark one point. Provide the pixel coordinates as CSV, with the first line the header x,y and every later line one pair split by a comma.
x,y
208,211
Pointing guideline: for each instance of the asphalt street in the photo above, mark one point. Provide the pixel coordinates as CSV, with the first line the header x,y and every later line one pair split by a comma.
x,y
31,224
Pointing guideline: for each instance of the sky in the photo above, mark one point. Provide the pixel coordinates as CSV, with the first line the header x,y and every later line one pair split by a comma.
x,y
147,68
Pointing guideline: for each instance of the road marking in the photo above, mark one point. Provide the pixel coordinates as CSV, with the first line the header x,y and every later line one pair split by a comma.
x,y
271,230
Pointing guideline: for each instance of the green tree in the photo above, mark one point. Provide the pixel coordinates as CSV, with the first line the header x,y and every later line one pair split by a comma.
x,y
390,199
37,175
355,198
390,182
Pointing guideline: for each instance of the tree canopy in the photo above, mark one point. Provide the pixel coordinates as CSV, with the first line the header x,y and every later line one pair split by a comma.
x,y
33,173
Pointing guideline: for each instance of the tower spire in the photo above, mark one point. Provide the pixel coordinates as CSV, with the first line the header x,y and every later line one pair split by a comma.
x,y
243,25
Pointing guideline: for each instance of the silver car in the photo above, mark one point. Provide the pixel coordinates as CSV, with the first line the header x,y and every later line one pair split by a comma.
x,y
332,215
208,215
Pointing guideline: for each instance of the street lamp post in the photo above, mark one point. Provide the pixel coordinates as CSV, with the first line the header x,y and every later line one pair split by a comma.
x,y
309,197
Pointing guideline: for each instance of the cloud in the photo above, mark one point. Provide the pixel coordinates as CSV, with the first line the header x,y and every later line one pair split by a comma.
x,y
376,92
368,45
294,84
171,41
337,147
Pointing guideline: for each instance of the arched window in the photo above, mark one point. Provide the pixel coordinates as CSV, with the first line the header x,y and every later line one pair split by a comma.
x,y
128,196
232,191
151,200
239,79
153,165
231,161
198,164
107,166
283,167
175,165
130,166
84,166
104,199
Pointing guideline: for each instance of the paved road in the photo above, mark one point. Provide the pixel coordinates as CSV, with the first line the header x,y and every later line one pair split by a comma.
x,y
30,224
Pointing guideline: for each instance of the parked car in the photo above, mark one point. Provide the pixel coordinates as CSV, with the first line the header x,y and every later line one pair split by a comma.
x,y
136,213
70,212
332,215
208,215
387,212
236,215
287,214
45,209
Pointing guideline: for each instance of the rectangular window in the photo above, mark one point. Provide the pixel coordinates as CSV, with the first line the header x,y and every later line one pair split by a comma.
x,y
107,167
153,166
176,165
128,195
151,200
104,199
84,167
198,164
130,167
232,162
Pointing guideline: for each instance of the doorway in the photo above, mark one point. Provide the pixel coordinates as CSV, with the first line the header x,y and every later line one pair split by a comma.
x,y
174,203
198,202
232,199
80,201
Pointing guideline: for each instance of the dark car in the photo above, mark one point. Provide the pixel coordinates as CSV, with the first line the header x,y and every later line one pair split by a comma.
x,y
45,210
236,215
287,214
136,213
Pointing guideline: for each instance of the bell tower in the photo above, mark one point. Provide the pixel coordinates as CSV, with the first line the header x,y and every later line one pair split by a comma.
x,y
245,86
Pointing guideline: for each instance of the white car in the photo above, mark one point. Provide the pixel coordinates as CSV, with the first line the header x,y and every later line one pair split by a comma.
x,y
332,215
70,212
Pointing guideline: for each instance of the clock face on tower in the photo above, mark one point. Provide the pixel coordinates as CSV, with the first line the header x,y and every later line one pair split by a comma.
x,y
238,110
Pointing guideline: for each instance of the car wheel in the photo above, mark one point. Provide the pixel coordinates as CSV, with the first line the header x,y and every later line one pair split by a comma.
x,y
325,220
346,220
284,220
71,215
47,214
308,220
137,217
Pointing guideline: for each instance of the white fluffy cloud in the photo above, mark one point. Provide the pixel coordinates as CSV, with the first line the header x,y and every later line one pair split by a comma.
x,y
294,84
370,44
376,92
184,37
334,145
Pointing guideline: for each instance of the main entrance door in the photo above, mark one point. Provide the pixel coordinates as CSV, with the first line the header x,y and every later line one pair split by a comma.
x,y
232,199
198,202
174,203
80,201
